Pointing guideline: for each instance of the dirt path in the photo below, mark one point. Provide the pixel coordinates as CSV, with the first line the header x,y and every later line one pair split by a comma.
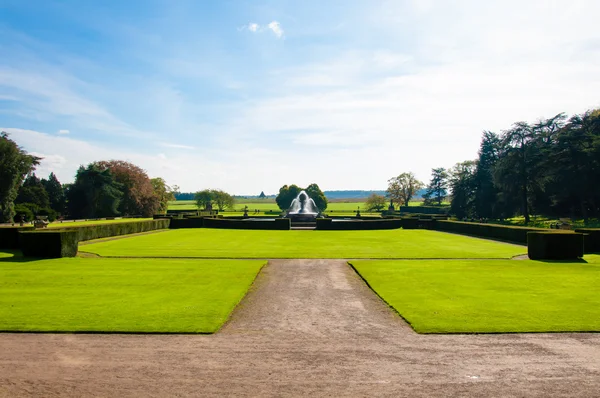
x,y
308,327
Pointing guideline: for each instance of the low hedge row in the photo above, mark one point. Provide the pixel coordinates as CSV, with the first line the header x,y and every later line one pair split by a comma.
x,y
49,243
280,224
9,236
493,231
89,232
189,222
554,245
329,224
591,240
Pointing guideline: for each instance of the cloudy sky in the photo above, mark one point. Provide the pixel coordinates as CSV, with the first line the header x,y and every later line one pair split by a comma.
x,y
247,96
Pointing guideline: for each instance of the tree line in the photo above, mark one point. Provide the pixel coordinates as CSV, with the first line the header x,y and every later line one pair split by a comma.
x,y
101,189
551,168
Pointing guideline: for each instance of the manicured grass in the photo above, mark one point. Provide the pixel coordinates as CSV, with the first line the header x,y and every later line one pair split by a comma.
x,y
205,242
121,295
69,224
489,296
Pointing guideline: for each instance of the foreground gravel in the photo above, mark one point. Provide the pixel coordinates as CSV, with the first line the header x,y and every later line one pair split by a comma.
x,y
307,327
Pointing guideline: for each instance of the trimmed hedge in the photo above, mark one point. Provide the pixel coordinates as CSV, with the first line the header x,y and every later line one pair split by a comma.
x,y
410,223
591,240
280,224
9,236
49,244
328,224
554,245
190,222
89,232
492,231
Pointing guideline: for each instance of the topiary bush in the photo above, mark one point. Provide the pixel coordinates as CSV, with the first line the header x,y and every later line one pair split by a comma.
x,y
554,245
358,224
49,244
9,236
591,240
281,224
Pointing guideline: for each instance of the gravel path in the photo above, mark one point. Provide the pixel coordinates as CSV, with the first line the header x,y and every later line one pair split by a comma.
x,y
308,327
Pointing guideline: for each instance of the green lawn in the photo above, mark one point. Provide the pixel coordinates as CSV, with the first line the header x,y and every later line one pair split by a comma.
x,y
121,295
400,243
489,296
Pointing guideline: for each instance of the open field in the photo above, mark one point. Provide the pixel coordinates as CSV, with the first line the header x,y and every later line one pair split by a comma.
x,y
489,296
269,204
120,295
222,243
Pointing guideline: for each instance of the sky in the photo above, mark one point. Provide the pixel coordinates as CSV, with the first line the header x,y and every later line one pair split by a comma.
x,y
247,96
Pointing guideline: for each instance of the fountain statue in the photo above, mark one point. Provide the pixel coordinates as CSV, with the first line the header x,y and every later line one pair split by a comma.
x,y
303,208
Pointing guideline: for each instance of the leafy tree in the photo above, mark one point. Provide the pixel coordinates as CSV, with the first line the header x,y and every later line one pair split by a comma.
x,y
402,188
204,199
315,193
286,195
95,193
56,193
33,191
163,193
138,191
437,188
15,164
375,202
462,186
519,169
222,199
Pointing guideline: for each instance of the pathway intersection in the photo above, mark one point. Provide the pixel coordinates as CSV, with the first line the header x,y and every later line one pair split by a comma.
x,y
307,327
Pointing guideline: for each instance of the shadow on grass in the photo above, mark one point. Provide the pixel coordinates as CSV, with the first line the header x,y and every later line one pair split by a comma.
x,y
578,261
15,256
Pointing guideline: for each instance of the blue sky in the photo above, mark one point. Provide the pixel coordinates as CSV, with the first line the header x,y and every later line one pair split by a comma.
x,y
247,96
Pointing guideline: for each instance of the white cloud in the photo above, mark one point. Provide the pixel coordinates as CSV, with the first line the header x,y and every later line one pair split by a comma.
x,y
177,146
276,28
273,26
63,131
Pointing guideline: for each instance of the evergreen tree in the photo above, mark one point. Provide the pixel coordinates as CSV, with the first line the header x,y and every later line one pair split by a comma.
x,y
56,193
95,193
437,188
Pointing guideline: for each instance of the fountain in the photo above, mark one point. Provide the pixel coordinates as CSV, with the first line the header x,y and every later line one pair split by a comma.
x,y
302,209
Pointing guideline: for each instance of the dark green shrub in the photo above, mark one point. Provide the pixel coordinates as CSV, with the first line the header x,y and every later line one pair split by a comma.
x,y
24,212
282,224
410,223
189,222
49,244
554,245
491,231
9,236
591,240
357,224
48,212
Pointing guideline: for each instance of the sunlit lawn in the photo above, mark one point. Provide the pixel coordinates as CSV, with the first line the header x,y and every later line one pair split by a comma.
x,y
489,296
121,295
206,242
